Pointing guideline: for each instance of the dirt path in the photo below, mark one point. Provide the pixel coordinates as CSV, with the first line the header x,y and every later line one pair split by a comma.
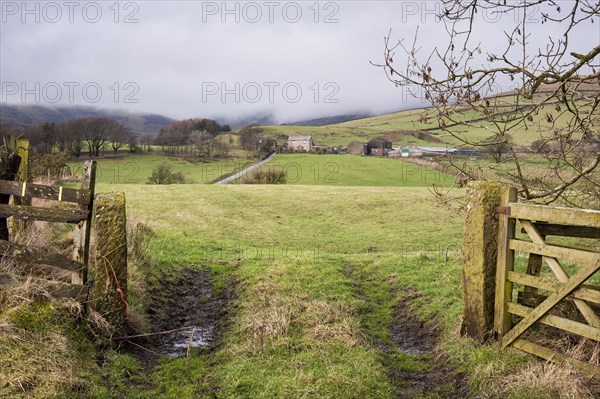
x,y
435,377
414,337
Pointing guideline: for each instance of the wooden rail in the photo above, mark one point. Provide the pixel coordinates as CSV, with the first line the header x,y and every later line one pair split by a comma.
x,y
23,191
31,190
43,214
30,255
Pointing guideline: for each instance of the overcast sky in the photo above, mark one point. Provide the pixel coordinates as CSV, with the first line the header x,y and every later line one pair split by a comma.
x,y
183,59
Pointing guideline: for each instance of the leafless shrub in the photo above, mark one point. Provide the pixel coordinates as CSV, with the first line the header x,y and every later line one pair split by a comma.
x,y
265,176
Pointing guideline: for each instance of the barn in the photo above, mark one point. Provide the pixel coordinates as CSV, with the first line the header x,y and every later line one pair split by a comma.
x,y
379,147
356,148
300,143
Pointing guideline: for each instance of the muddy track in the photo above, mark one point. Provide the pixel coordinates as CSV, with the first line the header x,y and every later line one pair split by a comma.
x,y
186,313
413,337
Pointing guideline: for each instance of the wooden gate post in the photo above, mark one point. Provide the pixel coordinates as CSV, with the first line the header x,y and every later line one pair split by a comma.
x,y
480,249
9,168
21,151
82,233
109,289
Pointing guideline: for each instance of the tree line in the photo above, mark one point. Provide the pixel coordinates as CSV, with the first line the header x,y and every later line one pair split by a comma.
x,y
96,134
69,137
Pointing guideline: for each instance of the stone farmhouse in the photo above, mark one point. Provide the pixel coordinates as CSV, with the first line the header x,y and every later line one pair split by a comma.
x,y
300,143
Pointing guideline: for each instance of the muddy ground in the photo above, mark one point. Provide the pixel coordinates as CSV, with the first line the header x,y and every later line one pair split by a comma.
x,y
186,313
414,337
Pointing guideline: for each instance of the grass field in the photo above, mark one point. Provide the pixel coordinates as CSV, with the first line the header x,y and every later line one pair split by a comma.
x,y
135,169
350,170
302,169
319,269
294,245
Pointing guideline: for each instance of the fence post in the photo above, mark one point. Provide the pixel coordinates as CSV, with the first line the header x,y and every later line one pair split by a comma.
x,y
10,163
82,232
109,289
504,265
21,151
480,249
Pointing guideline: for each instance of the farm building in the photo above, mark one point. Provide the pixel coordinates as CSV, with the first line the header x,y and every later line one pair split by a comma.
x,y
300,143
356,148
379,147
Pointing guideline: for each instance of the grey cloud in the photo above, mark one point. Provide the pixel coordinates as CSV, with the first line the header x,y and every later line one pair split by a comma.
x,y
171,54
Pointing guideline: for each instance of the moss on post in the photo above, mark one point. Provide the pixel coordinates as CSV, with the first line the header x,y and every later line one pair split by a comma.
x,y
109,289
479,259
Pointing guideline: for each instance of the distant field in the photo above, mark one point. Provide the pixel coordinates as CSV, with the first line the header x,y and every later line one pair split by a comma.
x,y
353,170
303,169
135,169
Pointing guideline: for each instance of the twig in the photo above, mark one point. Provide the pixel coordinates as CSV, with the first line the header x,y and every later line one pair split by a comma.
x,y
156,333
146,349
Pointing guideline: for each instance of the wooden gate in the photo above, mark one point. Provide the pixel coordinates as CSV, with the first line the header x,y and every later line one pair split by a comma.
x,y
21,193
539,222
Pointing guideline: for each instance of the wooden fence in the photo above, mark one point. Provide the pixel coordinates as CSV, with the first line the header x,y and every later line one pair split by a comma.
x,y
107,290
521,301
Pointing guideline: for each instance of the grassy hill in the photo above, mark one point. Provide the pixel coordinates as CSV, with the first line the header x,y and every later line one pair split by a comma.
x,y
420,127
348,170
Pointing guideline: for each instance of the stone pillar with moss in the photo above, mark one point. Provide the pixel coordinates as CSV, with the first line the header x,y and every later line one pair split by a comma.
x,y
480,250
109,259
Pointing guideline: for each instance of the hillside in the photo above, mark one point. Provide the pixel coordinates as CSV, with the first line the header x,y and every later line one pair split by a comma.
x,y
328,120
23,115
420,126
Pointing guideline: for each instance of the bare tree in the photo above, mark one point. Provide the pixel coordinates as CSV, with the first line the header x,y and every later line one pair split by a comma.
x,y
201,140
119,137
97,132
132,142
556,89
70,136
498,146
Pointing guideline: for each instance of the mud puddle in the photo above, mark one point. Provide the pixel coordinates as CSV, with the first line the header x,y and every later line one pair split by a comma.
x,y
186,313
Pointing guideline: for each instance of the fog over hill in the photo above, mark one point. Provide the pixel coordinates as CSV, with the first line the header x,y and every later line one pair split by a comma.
x,y
144,123
25,115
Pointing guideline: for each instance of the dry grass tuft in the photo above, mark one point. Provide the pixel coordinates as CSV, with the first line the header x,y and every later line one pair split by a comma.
x,y
35,365
271,315
19,294
585,350
555,380
330,321
100,326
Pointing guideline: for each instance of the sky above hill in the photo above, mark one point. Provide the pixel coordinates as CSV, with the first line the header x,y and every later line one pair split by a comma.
x,y
294,60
